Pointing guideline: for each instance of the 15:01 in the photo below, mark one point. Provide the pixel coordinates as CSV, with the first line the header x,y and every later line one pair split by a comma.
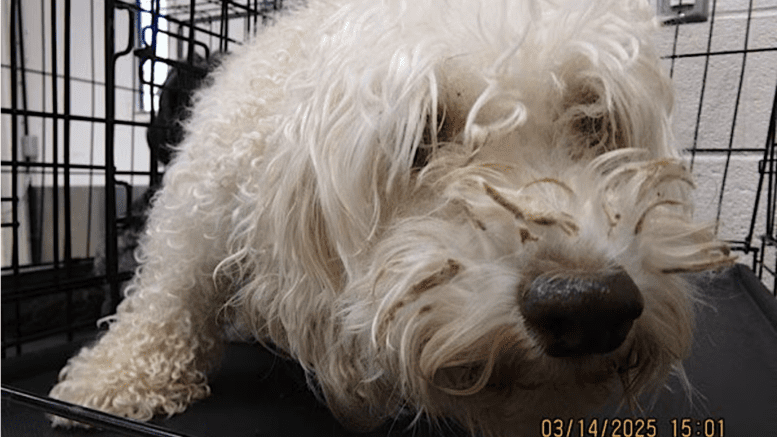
x,y
687,427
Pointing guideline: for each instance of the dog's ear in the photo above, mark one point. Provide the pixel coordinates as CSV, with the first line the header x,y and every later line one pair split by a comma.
x,y
349,148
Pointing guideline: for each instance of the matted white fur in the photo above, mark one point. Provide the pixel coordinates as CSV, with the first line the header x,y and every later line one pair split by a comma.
x,y
374,187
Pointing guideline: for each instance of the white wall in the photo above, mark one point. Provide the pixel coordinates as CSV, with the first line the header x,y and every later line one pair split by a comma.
x,y
717,128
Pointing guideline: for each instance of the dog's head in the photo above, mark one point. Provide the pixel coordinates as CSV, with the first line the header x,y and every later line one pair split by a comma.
x,y
480,204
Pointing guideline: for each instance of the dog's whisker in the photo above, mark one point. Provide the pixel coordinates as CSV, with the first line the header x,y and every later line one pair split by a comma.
x,y
470,216
612,218
562,220
499,167
620,176
503,202
566,223
476,222
640,222
615,159
553,181
722,261
442,276
662,172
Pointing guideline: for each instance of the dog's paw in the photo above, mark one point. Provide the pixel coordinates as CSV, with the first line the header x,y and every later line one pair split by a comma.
x,y
116,400
130,399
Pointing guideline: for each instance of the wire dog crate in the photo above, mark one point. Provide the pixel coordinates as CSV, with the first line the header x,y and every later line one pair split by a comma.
x,y
724,70
82,128
92,90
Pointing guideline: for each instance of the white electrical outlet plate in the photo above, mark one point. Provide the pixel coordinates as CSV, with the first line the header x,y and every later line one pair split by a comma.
x,y
682,11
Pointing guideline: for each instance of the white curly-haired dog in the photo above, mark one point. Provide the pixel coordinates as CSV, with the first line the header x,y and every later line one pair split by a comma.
x,y
466,209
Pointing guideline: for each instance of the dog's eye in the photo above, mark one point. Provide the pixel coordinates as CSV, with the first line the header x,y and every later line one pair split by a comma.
x,y
422,155
424,152
447,129
589,128
601,133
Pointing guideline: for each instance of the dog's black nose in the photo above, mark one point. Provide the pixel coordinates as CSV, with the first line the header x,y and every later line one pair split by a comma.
x,y
575,315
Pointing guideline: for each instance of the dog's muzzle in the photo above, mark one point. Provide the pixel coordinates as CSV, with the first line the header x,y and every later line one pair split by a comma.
x,y
575,316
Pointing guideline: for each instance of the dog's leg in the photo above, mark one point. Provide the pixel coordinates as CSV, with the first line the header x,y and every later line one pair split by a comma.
x,y
165,335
